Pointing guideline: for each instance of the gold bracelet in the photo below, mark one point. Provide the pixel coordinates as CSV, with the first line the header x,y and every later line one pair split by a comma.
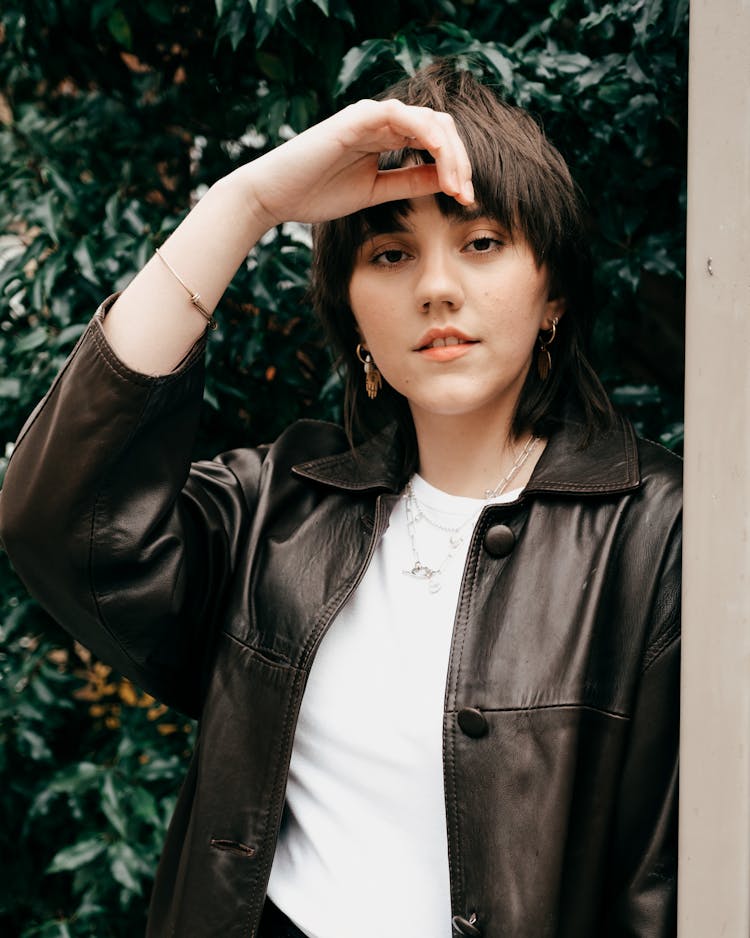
x,y
195,298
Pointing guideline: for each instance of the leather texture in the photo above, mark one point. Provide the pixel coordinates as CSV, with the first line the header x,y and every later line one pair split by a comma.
x,y
211,586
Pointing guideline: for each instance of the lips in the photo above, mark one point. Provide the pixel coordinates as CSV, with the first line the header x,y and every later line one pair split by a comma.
x,y
443,338
448,340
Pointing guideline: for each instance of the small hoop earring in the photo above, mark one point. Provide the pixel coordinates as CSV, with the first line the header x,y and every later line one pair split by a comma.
x,y
544,359
373,379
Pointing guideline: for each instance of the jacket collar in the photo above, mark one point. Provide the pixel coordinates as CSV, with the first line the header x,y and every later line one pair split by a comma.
x,y
607,465
375,464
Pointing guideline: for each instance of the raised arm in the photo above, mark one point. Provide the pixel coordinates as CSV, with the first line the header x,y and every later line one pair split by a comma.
x,y
326,172
124,542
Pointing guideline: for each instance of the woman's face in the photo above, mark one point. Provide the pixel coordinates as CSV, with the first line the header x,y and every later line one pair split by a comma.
x,y
450,310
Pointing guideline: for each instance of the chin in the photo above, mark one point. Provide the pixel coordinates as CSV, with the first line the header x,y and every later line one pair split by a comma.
x,y
455,407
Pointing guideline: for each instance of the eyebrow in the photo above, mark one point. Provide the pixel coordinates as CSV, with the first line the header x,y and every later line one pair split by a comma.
x,y
398,220
468,213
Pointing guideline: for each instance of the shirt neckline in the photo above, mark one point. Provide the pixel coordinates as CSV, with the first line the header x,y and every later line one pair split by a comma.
x,y
460,505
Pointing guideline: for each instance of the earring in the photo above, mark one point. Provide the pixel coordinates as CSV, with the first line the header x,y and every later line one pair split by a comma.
x,y
544,359
373,380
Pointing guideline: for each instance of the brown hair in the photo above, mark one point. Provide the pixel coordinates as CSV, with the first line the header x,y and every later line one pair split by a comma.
x,y
523,182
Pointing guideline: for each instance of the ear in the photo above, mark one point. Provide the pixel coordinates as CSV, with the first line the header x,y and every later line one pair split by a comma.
x,y
555,310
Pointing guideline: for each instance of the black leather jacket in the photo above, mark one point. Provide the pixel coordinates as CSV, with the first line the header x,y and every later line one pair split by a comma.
x,y
212,586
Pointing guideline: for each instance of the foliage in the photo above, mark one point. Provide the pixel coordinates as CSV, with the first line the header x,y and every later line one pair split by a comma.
x,y
90,767
114,117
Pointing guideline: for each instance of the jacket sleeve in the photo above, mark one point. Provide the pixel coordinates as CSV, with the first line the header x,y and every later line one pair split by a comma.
x,y
641,899
120,539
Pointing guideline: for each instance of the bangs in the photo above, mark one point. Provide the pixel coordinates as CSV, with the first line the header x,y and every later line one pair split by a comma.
x,y
491,201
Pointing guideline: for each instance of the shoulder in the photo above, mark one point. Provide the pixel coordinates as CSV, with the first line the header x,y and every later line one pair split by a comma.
x,y
660,471
301,442
309,439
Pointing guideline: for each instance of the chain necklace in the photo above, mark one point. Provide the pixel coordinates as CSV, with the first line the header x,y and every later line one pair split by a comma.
x,y
415,512
520,460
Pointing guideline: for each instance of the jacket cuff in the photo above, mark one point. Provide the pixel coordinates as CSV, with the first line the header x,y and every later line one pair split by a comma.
x,y
101,314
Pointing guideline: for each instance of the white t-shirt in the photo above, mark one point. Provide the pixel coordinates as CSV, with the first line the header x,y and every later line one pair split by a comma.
x,y
363,849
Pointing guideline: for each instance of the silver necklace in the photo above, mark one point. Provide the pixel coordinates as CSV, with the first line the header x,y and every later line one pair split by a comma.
x,y
415,512
520,460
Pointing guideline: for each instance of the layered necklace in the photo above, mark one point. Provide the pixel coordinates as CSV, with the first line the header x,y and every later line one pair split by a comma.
x,y
416,514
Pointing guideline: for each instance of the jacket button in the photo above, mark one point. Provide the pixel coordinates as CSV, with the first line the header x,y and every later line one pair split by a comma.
x,y
499,540
465,926
473,722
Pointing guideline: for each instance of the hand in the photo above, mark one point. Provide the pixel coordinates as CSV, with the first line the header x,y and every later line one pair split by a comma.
x,y
331,169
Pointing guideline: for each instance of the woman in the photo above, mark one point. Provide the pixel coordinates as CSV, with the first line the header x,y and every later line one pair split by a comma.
x,y
487,583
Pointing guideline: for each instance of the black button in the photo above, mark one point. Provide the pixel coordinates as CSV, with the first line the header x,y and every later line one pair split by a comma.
x,y
473,722
499,540
464,926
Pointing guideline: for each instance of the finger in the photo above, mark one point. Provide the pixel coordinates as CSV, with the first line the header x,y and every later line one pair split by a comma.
x,y
454,166
409,182
376,126
436,132
391,124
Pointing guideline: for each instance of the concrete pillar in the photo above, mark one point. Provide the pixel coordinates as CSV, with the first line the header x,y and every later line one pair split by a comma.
x,y
715,791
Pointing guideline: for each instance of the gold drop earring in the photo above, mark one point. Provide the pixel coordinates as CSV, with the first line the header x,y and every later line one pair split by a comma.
x,y
373,379
544,359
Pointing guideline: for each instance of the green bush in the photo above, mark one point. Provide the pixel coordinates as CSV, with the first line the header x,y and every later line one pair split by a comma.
x,y
114,116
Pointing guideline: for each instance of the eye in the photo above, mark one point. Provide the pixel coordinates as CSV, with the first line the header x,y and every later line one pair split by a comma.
x,y
389,257
484,244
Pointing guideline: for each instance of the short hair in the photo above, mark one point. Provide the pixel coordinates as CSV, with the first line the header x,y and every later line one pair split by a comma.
x,y
520,180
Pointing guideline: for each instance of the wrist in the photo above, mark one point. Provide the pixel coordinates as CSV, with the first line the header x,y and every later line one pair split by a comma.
x,y
245,186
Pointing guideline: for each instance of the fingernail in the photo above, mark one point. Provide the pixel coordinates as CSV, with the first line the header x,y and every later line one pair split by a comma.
x,y
468,192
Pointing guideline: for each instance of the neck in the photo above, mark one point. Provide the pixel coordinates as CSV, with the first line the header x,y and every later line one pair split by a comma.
x,y
465,456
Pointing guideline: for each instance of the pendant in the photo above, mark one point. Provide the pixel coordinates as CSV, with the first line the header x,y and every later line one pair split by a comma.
x,y
420,572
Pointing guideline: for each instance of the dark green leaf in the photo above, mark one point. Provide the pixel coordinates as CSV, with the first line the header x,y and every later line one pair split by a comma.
x,y
78,855
70,334
119,27
10,387
112,806
125,866
271,66
356,61
32,340
34,744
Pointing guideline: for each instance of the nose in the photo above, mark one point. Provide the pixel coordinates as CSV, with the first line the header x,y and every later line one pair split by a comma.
x,y
439,284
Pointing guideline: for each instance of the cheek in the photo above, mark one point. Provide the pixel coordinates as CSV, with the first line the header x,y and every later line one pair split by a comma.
x,y
361,304
374,312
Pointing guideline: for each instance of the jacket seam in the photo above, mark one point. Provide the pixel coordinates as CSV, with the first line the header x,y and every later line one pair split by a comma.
x,y
672,622
240,486
282,745
346,587
151,385
254,649
118,367
582,489
41,405
277,791
114,364
462,622
615,714
95,594
666,640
